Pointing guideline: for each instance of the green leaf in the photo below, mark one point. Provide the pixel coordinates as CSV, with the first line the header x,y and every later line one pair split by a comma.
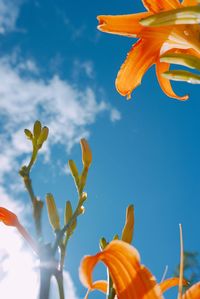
x,y
177,75
186,15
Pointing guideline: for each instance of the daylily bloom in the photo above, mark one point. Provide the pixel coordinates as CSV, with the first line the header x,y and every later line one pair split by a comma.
x,y
153,42
131,279
10,219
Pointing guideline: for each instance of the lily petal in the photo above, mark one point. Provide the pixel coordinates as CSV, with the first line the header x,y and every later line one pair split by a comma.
x,y
171,282
190,2
127,25
193,292
100,285
160,5
141,57
8,218
131,280
165,84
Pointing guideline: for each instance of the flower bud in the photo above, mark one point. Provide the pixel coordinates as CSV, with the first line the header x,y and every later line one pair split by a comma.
x,y
28,134
86,153
43,136
52,212
83,197
37,129
74,170
81,210
127,233
68,212
102,243
68,216
116,237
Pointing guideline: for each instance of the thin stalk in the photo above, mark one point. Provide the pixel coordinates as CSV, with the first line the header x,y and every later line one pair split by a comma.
x,y
59,279
45,278
111,291
37,205
28,238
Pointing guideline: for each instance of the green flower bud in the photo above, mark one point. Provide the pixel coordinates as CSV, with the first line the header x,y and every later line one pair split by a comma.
x,y
83,197
116,237
81,210
127,233
68,212
86,153
68,216
52,212
102,243
37,129
74,170
43,136
28,134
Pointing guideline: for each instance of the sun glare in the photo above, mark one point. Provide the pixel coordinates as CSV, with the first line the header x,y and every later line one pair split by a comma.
x,y
19,277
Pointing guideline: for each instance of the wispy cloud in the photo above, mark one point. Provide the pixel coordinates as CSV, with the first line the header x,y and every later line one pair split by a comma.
x,y
83,67
9,11
60,104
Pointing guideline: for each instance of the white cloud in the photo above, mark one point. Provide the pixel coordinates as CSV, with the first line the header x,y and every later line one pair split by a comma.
x,y
9,11
61,105
114,115
85,67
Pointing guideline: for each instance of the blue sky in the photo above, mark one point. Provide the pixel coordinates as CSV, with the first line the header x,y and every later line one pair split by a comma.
x,y
55,66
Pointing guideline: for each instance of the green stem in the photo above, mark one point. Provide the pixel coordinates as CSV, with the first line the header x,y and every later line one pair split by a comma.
x,y
28,238
33,158
111,291
59,278
37,204
45,279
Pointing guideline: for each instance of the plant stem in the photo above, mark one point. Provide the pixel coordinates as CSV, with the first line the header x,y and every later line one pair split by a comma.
x,y
37,204
59,278
111,291
28,238
45,278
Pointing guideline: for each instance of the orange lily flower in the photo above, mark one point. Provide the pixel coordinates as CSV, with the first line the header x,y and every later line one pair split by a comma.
x,y
131,279
10,219
153,42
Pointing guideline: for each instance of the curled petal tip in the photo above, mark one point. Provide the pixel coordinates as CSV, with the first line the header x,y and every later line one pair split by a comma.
x,y
102,22
8,218
128,97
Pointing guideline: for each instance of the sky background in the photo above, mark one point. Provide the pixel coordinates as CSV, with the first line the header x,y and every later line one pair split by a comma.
x,y
56,67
